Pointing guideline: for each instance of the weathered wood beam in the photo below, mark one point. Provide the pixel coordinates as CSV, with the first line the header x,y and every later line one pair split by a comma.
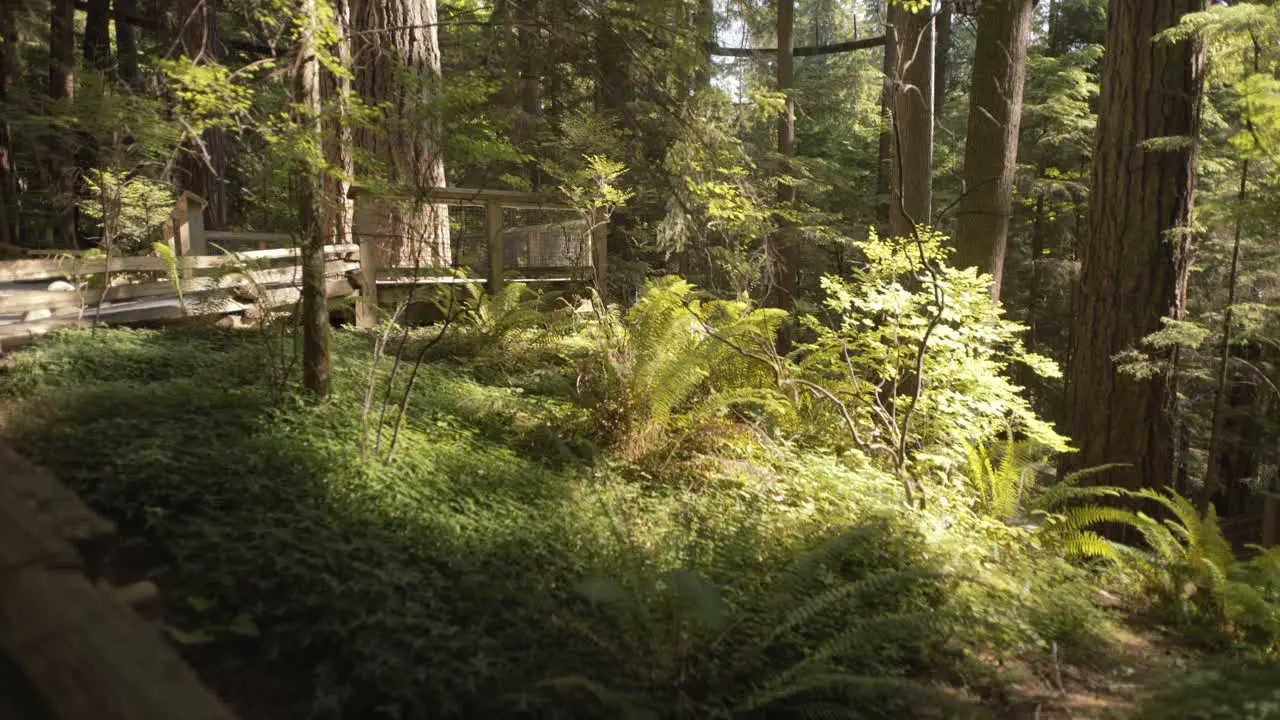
x,y
806,51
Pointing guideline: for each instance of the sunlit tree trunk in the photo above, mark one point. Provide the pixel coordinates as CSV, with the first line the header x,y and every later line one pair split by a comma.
x,y
339,210
1134,257
785,245
991,148
311,212
911,130
942,57
396,55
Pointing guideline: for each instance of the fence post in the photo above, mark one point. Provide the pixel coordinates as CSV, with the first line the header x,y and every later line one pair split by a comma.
x,y
494,241
1271,520
600,253
191,242
365,233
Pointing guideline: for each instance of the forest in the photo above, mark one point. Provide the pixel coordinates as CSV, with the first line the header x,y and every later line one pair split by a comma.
x,y
663,358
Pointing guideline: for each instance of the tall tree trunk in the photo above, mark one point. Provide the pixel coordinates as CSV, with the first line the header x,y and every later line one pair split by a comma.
x,y
126,41
706,24
60,163
884,154
9,70
991,149
1134,257
1216,456
396,53
339,210
315,304
784,241
942,58
530,53
204,164
911,180
97,34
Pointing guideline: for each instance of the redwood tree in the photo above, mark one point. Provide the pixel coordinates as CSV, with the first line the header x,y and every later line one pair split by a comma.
x,y
991,148
396,57
1134,259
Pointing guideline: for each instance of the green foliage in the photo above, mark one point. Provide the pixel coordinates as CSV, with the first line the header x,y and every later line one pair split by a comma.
x,y
881,317
1231,690
833,630
675,353
1003,485
1186,566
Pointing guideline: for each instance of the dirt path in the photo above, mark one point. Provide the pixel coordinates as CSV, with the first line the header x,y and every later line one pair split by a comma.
x,y
1107,686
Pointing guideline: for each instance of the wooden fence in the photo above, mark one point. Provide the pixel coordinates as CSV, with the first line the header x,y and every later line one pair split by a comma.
x,y
211,273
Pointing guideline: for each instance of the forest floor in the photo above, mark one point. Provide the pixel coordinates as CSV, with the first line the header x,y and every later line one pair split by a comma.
x,y
448,581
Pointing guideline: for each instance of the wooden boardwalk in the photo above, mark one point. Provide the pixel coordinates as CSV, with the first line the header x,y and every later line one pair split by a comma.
x,y
43,294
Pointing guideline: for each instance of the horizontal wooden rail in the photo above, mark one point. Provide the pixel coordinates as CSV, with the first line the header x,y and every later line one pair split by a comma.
x,y
27,270
223,236
515,199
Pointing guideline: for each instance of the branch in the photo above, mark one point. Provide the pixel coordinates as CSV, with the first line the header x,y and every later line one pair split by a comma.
x,y
807,51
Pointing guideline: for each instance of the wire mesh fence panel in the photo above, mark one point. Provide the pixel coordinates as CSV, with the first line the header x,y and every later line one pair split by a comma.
x,y
556,238
467,228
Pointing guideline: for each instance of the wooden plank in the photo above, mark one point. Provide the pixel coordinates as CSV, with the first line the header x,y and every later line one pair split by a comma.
x,y
59,301
27,270
474,196
61,511
222,236
600,256
494,240
365,227
72,651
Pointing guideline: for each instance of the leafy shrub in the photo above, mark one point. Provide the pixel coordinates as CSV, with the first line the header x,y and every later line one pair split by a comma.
x,y
1233,690
908,367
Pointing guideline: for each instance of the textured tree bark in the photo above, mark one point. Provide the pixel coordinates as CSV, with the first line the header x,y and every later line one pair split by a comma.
x,y
911,180
311,213
126,41
786,250
884,153
942,59
9,68
991,149
60,167
339,209
1134,258
97,34
204,164
396,55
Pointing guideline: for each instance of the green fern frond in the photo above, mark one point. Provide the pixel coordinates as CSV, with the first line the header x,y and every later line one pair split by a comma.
x,y
879,584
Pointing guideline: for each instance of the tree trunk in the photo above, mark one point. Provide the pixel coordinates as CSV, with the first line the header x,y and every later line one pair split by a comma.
x,y
315,304
991,149
784,241
911,180
1134,257
126,41
203,166
9,70
396,52
339,210
97,34
942,60
60,166
884,154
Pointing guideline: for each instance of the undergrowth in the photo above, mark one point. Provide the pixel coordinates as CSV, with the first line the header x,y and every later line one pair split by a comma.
x,y
516,559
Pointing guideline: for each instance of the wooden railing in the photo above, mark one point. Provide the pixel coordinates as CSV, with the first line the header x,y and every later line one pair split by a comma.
x,y
212,273
370,212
